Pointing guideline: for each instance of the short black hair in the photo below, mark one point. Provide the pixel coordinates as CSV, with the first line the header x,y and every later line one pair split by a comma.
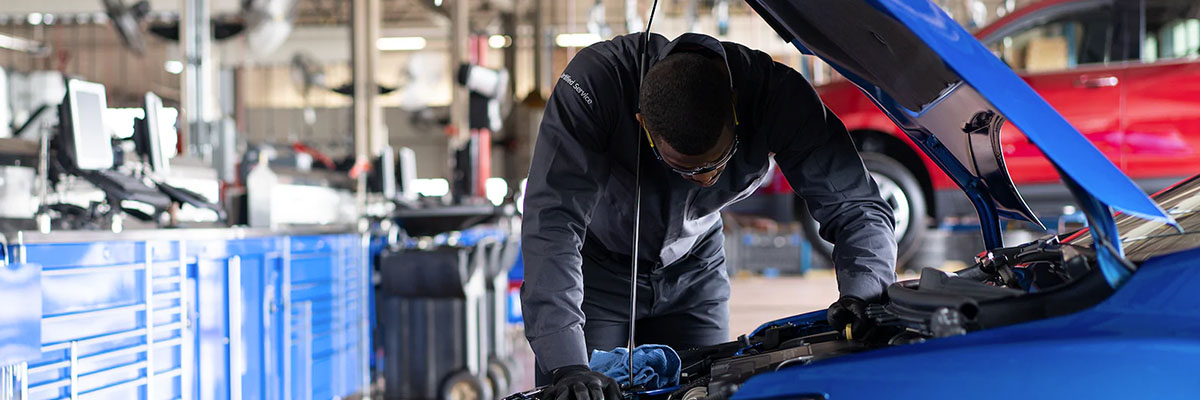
x,y
686,100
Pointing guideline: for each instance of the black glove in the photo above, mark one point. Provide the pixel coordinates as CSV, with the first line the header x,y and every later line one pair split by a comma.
x,y
577,382
850,310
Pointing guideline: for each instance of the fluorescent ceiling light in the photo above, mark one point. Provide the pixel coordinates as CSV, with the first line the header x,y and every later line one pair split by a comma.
x,y
34,19
576,39
400,43
174,67
499,41
20,44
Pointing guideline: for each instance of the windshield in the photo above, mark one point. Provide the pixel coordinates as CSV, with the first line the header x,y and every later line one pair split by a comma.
x,y
1143,239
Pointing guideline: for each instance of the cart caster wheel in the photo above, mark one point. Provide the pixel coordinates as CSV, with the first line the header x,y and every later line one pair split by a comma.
x,y
463,386
500,378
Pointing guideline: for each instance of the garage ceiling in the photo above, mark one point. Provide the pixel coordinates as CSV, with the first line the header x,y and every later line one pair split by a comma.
x,y
94,6
396,13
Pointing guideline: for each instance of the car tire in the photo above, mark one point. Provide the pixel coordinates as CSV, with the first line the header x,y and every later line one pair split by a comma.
x,y
901,190
463,385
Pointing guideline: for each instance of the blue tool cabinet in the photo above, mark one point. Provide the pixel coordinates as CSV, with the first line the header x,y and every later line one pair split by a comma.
x,y
212,314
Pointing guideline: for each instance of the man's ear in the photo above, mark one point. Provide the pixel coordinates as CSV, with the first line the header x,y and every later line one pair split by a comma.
x,y
639,118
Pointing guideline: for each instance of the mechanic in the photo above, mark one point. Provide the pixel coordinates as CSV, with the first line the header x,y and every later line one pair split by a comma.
x,y
710,115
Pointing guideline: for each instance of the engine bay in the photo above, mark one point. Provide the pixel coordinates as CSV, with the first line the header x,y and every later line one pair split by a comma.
x,y
1037,280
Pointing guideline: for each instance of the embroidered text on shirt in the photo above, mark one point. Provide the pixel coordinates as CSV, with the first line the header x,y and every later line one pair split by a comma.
x,y
582,93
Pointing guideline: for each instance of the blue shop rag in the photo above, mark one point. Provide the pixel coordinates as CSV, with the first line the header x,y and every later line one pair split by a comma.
x,y
656,366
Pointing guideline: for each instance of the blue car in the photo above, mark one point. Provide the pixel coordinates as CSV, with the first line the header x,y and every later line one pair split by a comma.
x,y
1111,311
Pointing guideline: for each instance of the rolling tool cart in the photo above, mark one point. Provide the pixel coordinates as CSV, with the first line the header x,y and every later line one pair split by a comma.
x,y
431,317
761,252
499,371
435,310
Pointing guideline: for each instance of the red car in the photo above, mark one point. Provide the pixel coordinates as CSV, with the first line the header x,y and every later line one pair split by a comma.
x,y
1126,73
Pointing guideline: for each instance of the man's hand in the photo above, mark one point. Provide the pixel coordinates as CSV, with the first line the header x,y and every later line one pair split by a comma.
x,y
577,382
852,311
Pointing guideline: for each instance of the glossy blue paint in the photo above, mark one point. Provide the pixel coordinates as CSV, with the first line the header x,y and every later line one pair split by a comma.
x,y
238,346
1142,342
112,322
327,301
21,320
218,314
1109,253
806,321
300,325
802,319
997,88
991,192
1092,178
1053,135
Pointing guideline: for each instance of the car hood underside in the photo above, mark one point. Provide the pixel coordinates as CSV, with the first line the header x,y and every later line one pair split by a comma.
x,y
951,96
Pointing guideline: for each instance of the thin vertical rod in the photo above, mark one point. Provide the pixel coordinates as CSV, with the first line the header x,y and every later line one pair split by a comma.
x,y
637,198
148,292
637,222
74,366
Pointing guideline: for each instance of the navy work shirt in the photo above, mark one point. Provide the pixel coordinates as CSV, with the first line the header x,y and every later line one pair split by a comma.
x,y
581,182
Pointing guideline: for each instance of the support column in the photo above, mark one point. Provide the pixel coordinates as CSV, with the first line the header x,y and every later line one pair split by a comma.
x,y
459,35
542,47
512,172
364,26
197,85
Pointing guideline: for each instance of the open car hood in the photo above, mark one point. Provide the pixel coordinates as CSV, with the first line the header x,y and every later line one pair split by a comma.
x,y
951,96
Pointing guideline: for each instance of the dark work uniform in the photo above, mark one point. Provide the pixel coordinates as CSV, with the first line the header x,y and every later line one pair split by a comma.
x,y
579,204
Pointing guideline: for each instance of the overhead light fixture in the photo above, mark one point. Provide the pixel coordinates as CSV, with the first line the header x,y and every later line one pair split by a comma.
x,y
174,67
400,43
34,18
576,39
499,41
21,44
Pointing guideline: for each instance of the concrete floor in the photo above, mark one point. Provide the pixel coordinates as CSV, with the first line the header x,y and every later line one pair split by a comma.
x,y
757,299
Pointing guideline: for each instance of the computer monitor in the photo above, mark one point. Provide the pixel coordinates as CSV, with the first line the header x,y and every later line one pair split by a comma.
x,y
387,172
406,173
148,133
89,145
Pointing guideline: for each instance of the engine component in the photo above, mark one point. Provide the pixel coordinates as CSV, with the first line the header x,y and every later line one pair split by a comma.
x,y
727,374
946,322
695,393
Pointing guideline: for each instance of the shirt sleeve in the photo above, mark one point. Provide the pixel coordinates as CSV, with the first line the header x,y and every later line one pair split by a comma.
x,y
815,153
569,164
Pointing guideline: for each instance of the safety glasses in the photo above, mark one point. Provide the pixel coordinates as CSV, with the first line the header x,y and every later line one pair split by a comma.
x,y
701,170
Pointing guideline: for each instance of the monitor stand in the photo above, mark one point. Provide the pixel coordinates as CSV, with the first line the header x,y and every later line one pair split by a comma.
x,y
184,196
119,187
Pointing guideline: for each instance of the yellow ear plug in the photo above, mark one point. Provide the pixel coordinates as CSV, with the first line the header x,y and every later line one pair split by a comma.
x,y
847,332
